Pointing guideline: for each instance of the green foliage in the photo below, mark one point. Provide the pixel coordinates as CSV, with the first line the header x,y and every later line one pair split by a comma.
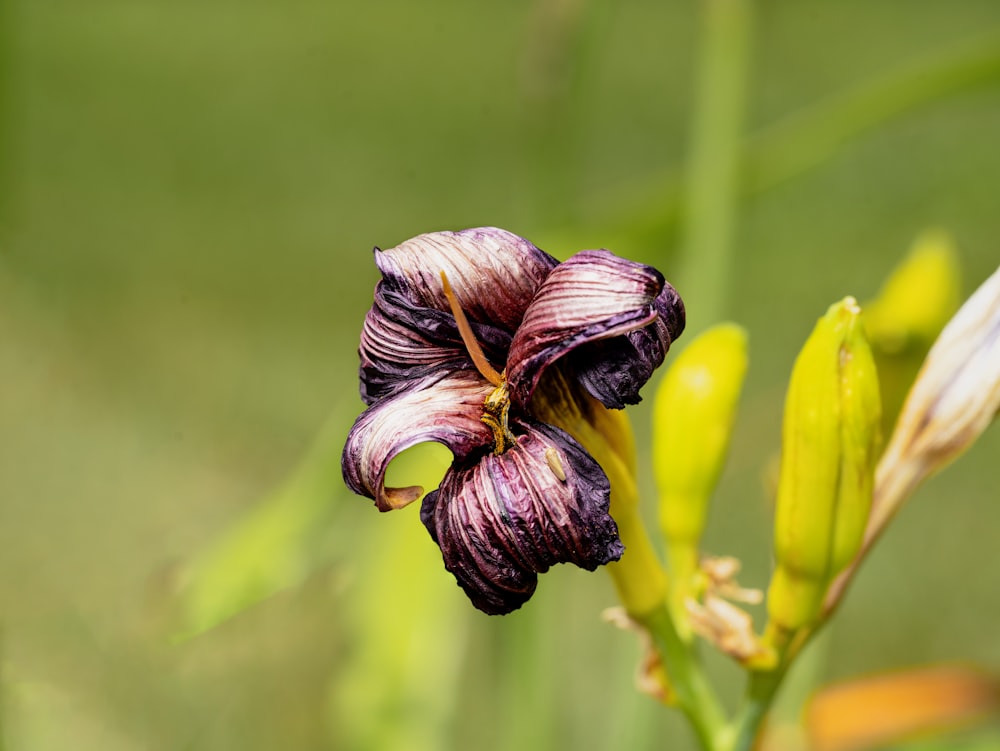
x,y
188,196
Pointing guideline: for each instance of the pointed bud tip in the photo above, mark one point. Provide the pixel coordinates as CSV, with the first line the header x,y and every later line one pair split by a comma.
x,y
919,296
844,312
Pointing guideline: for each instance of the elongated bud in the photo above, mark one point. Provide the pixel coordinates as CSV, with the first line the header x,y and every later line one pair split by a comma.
x,y
917,299
693,419
954,399
829,443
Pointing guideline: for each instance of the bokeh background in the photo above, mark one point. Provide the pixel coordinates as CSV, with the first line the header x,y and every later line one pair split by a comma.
x,y
189,193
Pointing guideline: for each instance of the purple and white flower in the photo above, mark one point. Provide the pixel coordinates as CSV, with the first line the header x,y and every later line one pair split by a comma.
x,y
471,336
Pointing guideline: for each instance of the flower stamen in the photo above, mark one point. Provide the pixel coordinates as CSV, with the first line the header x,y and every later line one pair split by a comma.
x,y
496,411
496,408
469,338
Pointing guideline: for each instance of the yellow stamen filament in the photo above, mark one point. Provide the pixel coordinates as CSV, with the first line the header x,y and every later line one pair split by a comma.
x,y
496,411
469,338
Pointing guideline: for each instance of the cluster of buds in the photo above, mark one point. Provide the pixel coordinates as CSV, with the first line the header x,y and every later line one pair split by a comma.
x,y
830,447
834,496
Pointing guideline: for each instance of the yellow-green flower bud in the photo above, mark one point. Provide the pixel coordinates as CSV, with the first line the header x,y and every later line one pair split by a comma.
x,y
829,442
694,411
921,294
915,302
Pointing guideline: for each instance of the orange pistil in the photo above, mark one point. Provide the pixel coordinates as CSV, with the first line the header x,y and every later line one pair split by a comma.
x,y
497,405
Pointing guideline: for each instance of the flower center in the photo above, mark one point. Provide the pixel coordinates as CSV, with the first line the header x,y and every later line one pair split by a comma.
x,y
496,411
496,408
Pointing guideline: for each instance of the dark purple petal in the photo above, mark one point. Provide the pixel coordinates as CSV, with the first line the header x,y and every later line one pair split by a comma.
x,y
613,370
502,520
494,272
402,343
593,296
442,409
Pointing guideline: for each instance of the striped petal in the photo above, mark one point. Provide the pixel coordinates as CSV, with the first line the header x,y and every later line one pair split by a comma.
x,y
590,299
494,272
441,409
614,370
505,519
402,343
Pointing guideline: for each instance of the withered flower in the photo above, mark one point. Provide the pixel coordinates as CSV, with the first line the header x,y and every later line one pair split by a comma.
x,y
475,337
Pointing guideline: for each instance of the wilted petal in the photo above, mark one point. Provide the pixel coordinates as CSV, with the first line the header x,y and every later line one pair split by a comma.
x,y
402,343
505,519
494,272
591,297
614,370
441,409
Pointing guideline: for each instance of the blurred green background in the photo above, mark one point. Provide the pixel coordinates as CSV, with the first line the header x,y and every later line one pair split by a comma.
x,y
189,193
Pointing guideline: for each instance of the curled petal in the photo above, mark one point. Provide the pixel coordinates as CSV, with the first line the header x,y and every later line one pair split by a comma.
x,y
590,298
613,370
402,343
494,272
442,409
503,520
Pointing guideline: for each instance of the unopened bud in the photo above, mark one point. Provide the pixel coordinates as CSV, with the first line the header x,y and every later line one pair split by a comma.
x,y
829,443
955,397
917,299
921,294
692,424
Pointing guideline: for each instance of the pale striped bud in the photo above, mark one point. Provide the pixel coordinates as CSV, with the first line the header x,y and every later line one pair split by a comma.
x,y
955,397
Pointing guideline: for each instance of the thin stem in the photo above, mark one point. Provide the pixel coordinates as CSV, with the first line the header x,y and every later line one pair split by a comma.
x,y
748,724
694,693
639,577
715,155
762,687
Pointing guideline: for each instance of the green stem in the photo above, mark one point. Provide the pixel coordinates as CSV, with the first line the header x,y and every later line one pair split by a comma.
x,y
748,723
715,154
694,693
762,687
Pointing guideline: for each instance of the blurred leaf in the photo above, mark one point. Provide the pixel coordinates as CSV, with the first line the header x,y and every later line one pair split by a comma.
x,y
273,547
408,618
804,139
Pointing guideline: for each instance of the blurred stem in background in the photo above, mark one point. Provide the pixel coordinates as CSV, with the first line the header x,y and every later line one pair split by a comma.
x,y
274,546
6,147
564,40
804,139
713,173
